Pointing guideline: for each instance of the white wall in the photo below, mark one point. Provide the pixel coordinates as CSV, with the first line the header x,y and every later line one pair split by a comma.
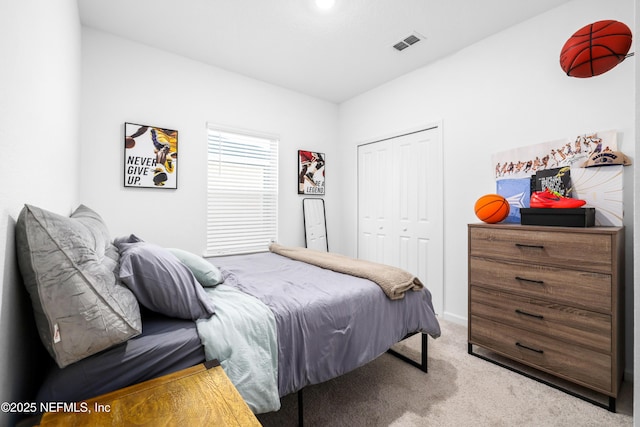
x,y
128,82
636,236
503,92
39,107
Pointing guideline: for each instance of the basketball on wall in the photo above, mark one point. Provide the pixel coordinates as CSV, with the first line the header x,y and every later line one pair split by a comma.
x,y
492,208
595,49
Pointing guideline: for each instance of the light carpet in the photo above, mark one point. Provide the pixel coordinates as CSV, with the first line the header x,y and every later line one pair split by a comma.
x,y
459,390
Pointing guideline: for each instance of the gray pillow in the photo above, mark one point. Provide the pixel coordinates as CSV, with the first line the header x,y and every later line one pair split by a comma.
x,y
161,282
206,273
69,267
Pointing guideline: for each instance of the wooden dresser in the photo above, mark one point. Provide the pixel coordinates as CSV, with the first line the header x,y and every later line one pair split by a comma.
x,y
550,298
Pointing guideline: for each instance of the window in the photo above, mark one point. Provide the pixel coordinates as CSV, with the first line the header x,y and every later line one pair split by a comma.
x,y
242,199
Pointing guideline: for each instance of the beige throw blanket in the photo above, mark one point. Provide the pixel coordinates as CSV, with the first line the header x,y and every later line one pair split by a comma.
x,y
393,281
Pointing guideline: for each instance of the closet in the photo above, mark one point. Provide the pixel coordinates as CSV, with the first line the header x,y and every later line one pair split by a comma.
x,y
400,205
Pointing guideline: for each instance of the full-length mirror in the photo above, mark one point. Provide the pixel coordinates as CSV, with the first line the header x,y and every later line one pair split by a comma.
x,y
315,224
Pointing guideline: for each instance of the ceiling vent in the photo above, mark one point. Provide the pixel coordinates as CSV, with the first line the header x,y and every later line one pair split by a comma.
x,y
407,41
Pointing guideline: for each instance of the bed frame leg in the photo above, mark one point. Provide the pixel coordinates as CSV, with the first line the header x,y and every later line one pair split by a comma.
x,y
425,351
422,366
300,409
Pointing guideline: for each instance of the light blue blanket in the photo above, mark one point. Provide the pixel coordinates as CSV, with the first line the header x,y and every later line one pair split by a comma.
x,y
242,336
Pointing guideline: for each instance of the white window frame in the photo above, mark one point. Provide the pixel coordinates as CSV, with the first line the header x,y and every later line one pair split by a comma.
x,y
242,190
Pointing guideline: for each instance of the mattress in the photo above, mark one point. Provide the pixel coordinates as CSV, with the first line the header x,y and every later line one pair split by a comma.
x,y
166,345
328,323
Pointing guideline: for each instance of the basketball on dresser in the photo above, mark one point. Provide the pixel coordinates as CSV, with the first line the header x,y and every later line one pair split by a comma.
x,y
492,208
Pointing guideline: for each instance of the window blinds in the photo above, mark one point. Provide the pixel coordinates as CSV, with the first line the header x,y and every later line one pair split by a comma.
x,y
242,199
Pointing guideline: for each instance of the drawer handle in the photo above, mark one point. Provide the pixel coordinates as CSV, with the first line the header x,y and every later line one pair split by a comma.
x,y
520,245
537,316
539,282
529,348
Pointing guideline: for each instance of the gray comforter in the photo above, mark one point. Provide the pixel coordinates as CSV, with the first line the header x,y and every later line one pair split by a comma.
x,y
328,323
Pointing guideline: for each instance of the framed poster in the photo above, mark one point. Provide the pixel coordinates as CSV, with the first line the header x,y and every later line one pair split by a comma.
x,y
310,172
150,156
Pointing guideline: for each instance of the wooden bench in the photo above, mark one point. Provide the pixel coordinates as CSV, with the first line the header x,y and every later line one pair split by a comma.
x,y
198,396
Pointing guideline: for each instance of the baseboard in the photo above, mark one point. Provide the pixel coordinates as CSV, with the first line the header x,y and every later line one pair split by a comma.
x,y
450,317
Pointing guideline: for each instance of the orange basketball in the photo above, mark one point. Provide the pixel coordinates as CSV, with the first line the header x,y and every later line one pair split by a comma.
x,y
595,49
492,208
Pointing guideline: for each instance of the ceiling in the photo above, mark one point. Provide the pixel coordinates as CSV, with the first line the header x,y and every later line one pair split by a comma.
x,y
332,55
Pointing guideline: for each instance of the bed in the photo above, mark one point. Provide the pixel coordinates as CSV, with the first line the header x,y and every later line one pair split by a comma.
x,y
280,325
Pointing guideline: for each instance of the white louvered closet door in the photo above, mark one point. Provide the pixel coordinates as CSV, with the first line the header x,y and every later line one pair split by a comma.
x,y
400,206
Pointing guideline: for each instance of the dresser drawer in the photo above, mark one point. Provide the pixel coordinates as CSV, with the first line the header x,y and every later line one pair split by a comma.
x,y
586,289
587,367
582,327
588,251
